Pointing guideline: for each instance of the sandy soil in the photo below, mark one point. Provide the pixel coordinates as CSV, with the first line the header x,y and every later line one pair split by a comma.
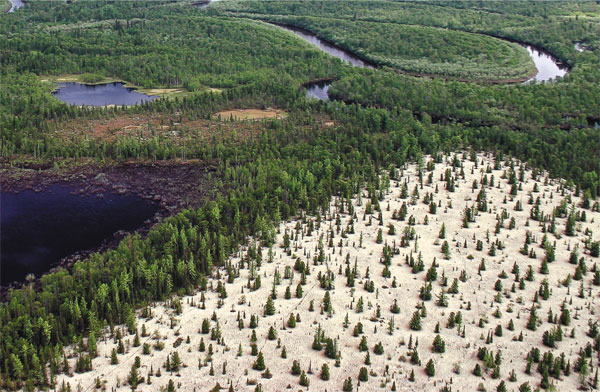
x,y
453,367
250,114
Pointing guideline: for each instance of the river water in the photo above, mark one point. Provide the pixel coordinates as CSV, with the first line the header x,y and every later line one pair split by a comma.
x,y
15,5
548,67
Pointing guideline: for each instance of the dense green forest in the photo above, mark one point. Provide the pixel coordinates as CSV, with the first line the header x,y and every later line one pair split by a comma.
x,y
293,166
552,25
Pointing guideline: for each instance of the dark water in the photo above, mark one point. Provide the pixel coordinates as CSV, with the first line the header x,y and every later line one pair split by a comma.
x,y
100,94
15,5
38,229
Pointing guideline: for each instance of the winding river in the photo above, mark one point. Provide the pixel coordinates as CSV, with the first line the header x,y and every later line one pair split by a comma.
x,y
548,67
15,5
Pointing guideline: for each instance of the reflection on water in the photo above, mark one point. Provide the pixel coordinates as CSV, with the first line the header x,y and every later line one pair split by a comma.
x,y
329,48
39,229
100,94
203,4
547,66
15,5
318,91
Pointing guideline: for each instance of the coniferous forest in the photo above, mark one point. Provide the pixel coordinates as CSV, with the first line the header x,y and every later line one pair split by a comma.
x,y
448,80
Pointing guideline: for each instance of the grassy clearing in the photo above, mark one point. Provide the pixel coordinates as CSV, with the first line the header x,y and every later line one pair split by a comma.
x,y
250,114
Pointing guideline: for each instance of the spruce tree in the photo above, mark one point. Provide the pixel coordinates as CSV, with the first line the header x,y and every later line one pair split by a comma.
x,y
430,368
259,364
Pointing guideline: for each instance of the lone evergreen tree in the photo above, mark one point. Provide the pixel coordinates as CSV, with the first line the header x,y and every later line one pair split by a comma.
x,y
259,364
325,372
270,307
430,368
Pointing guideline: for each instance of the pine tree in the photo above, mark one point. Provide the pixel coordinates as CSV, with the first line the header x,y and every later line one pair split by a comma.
x,y
270,307
175,361
330,349
347,387
363,374
439,346
501,387
291,323
303,379
259,364
171,387
133,377
532,322
325,372
363,344
296,368
430,368
415,322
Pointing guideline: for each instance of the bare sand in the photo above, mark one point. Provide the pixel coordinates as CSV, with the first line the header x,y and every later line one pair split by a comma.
x,y
453,367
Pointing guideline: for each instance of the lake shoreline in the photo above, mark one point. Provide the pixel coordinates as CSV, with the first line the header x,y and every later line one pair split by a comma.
x,y
171,185
160,91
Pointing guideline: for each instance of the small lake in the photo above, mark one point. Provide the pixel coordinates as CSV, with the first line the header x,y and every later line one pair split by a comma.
x,y
15,5
100,94
38,229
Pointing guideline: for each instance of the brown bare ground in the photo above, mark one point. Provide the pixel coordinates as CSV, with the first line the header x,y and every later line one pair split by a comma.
x,y
145,126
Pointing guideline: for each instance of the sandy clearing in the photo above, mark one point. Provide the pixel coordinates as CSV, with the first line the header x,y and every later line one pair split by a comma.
x,y
341,244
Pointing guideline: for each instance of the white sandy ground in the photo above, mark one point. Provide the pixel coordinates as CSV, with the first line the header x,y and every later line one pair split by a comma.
x,y
479,290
